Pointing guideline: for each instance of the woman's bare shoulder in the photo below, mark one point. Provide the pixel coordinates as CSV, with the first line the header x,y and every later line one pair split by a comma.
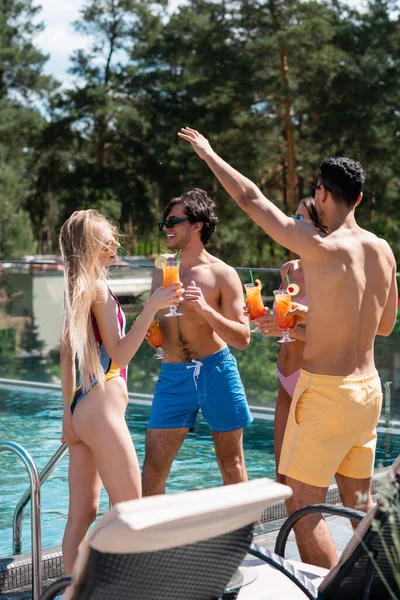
x,y
101,291
287,266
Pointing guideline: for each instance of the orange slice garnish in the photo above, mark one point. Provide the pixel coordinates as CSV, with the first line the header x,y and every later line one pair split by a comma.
x,y
160,262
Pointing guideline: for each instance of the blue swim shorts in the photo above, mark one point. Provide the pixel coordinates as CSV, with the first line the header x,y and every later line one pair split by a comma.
x,y
211,384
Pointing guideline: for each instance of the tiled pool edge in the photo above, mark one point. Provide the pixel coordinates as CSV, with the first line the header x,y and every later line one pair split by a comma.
x,y
16,571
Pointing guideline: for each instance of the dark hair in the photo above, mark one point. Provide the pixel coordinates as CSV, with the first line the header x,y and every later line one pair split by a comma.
x,y
199,208
344,178
309,203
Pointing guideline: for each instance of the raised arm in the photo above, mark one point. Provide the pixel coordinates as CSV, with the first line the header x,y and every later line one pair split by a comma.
x,y
298,236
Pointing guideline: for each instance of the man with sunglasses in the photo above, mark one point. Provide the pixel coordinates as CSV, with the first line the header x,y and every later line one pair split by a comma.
x,y
199,371
350,279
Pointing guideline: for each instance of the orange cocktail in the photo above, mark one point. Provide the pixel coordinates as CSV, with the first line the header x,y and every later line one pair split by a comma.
x,y
155,339
254,301
283,303
171,276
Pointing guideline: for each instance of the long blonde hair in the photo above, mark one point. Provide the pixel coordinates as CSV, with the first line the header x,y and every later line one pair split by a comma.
x,y
81,251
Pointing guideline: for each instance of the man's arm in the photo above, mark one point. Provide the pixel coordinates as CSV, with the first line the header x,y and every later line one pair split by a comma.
x,y
298,236
230,325
389,315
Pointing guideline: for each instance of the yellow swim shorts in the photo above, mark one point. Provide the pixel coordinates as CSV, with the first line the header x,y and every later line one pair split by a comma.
x,y
331,428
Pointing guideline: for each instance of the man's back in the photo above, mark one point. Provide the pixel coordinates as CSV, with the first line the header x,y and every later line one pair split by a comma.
x,y
348,287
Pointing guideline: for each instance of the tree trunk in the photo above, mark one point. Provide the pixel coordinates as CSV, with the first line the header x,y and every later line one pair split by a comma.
x,y
50,222
372,212
100,148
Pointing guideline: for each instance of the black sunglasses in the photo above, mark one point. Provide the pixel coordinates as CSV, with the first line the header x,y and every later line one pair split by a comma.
x,y
318,187
168,223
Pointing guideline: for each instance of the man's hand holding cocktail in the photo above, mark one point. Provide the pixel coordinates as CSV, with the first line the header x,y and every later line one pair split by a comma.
x,y
195,297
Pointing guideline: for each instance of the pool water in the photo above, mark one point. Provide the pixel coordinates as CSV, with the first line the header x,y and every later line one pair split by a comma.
x,y
33,419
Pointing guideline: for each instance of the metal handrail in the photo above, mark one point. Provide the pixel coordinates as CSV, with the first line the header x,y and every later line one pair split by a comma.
x,y
35,521
387,401
44,474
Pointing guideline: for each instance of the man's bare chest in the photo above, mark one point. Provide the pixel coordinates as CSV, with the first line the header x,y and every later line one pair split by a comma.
x,y
203,279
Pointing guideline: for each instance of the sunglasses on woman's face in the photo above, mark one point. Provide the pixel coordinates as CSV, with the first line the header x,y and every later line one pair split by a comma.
x,y
171,222
110,245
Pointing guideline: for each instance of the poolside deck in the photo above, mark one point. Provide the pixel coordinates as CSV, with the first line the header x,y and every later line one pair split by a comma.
x,y
340,529
15,572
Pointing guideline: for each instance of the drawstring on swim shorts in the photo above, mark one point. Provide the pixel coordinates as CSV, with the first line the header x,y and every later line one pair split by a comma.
x,y
197,366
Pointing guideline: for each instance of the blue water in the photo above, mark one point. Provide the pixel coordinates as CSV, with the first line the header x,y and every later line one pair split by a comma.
x,y
33,419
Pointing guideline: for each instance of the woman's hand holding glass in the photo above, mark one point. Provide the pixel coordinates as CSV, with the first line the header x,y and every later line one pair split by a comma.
x,y
266,324
166,297
299,312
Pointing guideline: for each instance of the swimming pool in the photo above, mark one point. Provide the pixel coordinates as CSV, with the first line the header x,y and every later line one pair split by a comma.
x,y
33,419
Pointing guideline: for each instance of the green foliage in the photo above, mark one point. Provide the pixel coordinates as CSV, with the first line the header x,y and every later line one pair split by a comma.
x,y
16,237
229,68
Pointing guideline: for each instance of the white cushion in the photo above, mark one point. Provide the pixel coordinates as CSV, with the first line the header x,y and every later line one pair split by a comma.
x,y
169,521
271,584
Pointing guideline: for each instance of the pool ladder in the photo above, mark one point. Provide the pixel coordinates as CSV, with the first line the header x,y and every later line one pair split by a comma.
x,y
36,480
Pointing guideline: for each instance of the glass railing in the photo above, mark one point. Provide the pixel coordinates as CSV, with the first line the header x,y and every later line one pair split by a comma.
x,y
31,303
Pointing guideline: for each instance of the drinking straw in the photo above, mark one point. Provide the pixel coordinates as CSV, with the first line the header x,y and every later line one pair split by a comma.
x,y
287,279
177,257
251,277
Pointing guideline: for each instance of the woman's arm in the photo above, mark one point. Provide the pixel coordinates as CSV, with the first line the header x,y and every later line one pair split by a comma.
x,y
123,349
68,376
68,382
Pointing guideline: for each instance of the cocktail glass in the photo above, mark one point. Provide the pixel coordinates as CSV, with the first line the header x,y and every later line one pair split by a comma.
x,y
155,340
254,303
171,276
283,303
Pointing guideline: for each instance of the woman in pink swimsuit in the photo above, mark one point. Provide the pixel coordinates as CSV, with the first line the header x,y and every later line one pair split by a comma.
x,y
290,359
99,443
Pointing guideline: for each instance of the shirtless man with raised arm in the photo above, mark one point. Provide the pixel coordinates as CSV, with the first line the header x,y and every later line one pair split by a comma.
x,y
199,371
350,276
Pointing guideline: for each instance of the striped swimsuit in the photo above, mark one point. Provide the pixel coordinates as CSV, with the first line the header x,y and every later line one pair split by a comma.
x,y
107,364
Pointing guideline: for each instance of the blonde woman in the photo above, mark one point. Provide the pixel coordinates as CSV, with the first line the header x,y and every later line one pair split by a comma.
x,y
94,426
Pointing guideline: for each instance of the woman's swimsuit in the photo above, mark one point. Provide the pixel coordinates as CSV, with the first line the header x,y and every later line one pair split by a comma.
x,y
107,364
289,382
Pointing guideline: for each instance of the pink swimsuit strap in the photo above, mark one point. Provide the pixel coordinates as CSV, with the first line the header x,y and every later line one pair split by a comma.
x,y
289,382
303,301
